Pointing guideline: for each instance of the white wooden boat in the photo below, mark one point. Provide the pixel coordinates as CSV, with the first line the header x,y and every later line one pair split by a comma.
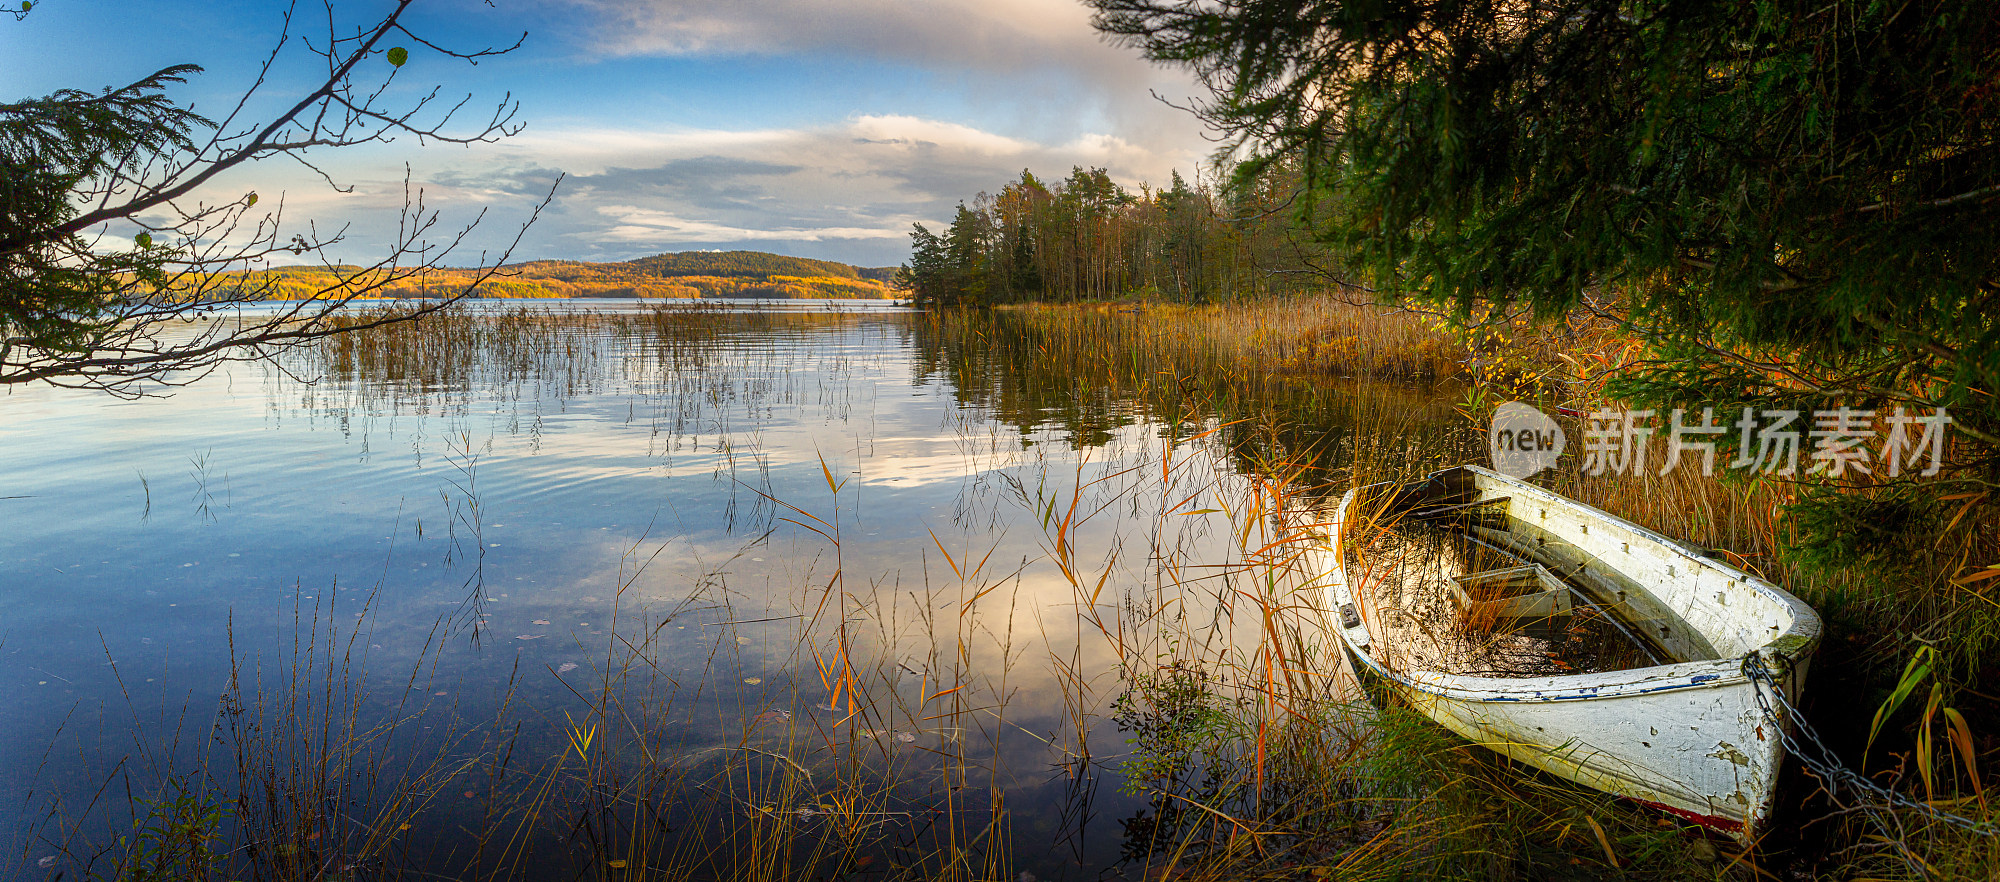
x,y
1683,730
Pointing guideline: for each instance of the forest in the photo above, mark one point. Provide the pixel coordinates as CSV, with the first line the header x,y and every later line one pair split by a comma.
x,y
1086,237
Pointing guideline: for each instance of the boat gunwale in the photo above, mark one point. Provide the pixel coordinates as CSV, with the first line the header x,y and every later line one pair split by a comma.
x,y
1801,634
1707,674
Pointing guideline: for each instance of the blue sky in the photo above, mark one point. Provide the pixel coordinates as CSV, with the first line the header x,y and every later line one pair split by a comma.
x,y
819,128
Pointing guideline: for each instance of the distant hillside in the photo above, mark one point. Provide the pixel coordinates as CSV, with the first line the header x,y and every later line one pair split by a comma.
x,y
688,274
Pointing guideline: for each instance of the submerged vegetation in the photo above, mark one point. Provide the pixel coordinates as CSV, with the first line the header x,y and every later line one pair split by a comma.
x,y
1881,607
1602,212
1912,626
1894,569
1610,212
1176,636
1648,219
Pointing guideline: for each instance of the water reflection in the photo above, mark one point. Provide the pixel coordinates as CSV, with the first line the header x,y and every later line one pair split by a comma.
x,y
737,591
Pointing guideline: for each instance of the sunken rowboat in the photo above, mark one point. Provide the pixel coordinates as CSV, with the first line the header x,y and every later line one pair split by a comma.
x,y
1572,640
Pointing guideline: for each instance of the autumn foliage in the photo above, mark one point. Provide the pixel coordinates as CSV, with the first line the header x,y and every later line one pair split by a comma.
x,y
686,275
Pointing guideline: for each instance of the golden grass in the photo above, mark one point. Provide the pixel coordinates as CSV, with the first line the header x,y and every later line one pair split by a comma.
x,y
1307,336
1877,615
1254,759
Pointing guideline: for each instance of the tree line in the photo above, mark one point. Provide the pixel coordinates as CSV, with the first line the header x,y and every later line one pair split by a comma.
x,y
1784,201
1087,237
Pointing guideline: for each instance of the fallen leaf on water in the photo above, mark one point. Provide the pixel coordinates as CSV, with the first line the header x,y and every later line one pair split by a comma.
x,y
541,621
527,637
402,826
743,640
566,668
905,737
616,865
753,680
46,862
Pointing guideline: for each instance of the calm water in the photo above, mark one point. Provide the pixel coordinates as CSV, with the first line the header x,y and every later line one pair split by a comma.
x,y
720,527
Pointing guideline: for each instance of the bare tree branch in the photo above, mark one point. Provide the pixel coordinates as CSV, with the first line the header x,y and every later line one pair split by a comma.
x,y
77,311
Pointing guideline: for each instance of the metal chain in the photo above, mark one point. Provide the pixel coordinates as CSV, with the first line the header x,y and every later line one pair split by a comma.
x,y
1813,752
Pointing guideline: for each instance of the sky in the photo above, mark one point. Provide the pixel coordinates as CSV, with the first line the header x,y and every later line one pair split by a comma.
x,y
815,128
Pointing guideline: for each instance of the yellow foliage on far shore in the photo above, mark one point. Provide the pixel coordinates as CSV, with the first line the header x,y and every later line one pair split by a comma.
x,y
306,283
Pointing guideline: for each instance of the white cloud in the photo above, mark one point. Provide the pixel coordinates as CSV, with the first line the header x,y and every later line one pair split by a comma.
x,y
909,131
982,34
844,191
635,224
910,108
848,190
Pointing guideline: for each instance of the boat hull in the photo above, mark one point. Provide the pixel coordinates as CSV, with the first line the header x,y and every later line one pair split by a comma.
x,y
1694,738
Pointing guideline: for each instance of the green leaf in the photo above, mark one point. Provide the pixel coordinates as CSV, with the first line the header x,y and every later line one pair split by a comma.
x,y
250,201
145,240
399,55
27,5
1913,673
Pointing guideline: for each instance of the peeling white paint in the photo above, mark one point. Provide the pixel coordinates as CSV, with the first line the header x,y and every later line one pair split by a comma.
x,y
1715,762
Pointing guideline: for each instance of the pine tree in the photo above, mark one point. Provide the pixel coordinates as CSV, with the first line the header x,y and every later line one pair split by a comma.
x,y
1784,199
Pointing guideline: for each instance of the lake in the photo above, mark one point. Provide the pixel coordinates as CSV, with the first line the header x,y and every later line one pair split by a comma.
x,y
740,590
